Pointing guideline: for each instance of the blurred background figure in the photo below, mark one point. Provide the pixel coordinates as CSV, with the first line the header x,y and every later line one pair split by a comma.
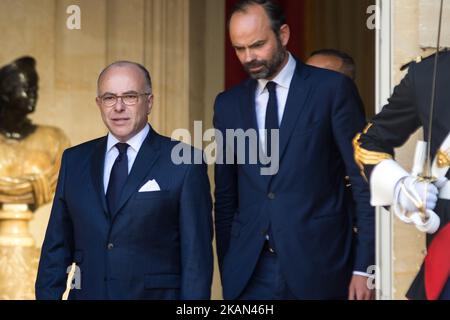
x,y
341,62
335,60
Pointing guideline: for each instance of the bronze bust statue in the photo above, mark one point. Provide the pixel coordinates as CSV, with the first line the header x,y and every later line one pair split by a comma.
x,y
18,97
30,157
30,154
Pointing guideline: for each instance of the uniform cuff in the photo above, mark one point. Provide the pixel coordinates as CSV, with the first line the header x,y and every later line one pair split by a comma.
x,y
383,180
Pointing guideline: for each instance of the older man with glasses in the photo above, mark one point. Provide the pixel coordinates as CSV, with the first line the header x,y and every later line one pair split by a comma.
x,y
137,225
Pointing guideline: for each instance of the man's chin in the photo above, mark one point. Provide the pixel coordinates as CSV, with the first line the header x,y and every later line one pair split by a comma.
x,y
258,76
120,132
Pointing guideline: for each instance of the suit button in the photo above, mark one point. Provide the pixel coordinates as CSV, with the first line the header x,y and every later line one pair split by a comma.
x,y
110,246
271,196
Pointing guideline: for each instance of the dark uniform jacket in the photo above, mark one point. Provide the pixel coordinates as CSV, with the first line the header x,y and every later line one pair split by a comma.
x,y
408,110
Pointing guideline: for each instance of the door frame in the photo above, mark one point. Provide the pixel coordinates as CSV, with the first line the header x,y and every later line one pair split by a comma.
x,y
384,81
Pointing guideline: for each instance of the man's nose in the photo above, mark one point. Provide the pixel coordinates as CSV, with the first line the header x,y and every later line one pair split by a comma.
x,y
120,106
249,56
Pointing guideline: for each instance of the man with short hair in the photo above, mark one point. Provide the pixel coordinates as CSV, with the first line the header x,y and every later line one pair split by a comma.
x,y
137,225
289,235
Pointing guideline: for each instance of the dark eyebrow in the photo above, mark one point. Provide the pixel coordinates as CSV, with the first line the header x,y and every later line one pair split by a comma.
x,y
258,43
131,92
253,45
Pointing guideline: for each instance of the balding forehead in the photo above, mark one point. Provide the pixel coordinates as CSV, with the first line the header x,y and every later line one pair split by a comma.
x,y
127,64
119,65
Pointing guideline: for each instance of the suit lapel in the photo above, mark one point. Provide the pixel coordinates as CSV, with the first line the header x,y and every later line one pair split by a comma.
x,y
97,169
248,112
145,159
298,94
248,106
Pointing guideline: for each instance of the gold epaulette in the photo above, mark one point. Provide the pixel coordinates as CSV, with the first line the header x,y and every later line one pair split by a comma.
x,y
365,157
443,159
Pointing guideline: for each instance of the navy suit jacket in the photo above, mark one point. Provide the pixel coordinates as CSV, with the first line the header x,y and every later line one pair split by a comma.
x,y
305,203
157,245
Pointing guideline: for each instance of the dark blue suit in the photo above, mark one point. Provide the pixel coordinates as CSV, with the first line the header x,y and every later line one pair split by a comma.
x,y
305,203
156,245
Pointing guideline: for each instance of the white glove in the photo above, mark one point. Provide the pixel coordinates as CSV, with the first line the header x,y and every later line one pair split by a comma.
x,y
413,195
431,225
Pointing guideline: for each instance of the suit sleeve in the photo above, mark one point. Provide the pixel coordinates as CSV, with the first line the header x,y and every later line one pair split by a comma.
x,y
57,250
196,235
226,192
391,128
347,120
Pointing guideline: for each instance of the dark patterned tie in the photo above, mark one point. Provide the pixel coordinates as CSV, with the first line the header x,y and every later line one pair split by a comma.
x,y
118,177
272,122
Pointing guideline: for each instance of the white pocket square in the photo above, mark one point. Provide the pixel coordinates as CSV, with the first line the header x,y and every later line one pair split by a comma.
x,y
150,186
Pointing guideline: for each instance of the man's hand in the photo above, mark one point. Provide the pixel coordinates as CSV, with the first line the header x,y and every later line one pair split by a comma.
x,y
413,197
359,289
414,194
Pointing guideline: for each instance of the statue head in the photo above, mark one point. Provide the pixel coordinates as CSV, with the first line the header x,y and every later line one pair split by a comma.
x,y
18,97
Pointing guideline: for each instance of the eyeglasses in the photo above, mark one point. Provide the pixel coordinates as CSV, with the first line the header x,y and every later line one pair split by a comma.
x,y
129,99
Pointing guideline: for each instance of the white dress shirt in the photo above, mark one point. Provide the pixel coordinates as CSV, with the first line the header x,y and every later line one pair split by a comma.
x,y
112,153
283,81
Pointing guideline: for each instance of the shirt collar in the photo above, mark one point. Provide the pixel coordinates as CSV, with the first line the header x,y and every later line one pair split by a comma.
x,y
283,79
135,142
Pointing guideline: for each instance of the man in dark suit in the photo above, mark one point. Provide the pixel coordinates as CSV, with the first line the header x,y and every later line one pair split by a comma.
x,y
288,235
137,225
391,185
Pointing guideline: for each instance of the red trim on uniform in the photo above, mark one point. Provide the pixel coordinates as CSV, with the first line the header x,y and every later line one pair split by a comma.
x,y
437,264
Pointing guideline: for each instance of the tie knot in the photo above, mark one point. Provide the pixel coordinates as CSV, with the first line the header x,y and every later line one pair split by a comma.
x,y
122,147
271,86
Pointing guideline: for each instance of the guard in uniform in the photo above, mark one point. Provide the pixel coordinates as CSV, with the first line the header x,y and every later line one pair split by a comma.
x,y
408,110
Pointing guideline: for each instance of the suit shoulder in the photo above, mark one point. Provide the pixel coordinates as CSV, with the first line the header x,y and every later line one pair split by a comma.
x,y
227,102
168,144
82,148
324,75
184,157
328,80
233,92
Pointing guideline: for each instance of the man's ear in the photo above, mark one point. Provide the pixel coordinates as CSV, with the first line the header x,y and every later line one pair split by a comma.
x,y
285,34
98,101
150,104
